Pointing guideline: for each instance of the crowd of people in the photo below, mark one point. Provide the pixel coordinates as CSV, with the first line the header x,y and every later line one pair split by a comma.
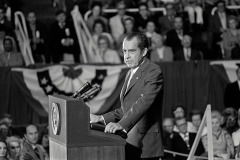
x,y
23,143
190,30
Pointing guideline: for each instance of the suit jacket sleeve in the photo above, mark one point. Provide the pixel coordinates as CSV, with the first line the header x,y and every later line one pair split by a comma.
x,y
153,84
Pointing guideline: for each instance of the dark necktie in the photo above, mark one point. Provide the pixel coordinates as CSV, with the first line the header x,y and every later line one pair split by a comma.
x,y
37,152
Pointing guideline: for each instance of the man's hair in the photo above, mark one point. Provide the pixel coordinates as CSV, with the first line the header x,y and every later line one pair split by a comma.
x,y
142,39
31,125
178,119
196,112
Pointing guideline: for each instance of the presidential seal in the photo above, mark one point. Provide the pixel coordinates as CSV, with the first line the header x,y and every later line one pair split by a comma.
x,y
56,121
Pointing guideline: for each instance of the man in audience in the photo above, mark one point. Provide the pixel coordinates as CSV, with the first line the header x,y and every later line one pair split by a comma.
x,y
175,36
116,22
183,142
142,17
187,53
64,40
7,24
166,22
217,25
38,38
168,134
10,57
32,150
232,92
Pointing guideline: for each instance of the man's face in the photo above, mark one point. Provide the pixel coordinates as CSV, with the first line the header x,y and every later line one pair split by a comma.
x,y
8,45
96,10
220,7
168,126
178,24
31,134
182,125
133,56
61,18
143,10
31,18
150,27
121,9
128,25
196,120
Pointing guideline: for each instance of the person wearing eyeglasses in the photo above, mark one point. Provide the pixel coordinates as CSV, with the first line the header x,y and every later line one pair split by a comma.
x,y
14,147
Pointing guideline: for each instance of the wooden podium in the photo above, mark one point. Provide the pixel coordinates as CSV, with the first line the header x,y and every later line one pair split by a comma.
x,y
71,137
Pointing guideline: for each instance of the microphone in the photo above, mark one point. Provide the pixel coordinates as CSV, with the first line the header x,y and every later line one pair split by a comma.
x,y
82,90
90,94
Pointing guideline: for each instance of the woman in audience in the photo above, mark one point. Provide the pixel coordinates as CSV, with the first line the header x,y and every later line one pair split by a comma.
x,y
98,30
96,8
231,38
14,145
108,55
44,139
3,150
229,120
222,140
151,32
160,52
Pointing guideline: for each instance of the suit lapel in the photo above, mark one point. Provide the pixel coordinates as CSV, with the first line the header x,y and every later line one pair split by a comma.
x,y
137,75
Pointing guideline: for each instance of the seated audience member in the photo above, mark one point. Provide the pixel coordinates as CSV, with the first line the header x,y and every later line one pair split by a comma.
x,y
193,7
183,141
116,22
10,56
168,134
229,120
64,39
166,22
38,38
143,17
32,150
160,52
2,36
232,93
96,14
7,118
178,112
187,52
44,139
236,137
108,55
222,140
217,25
151,32
3,150
231,37
175,36
129,27
14,145
196,118
7,24
98,30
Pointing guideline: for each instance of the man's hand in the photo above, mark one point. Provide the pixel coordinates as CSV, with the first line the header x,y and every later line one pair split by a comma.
x,y
112,127
95,118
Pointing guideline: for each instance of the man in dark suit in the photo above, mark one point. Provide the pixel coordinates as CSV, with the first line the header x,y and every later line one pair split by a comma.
x,y
166,22
32,150
64,39
217,25
232,93
175,36
187,53
141,101
183,141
